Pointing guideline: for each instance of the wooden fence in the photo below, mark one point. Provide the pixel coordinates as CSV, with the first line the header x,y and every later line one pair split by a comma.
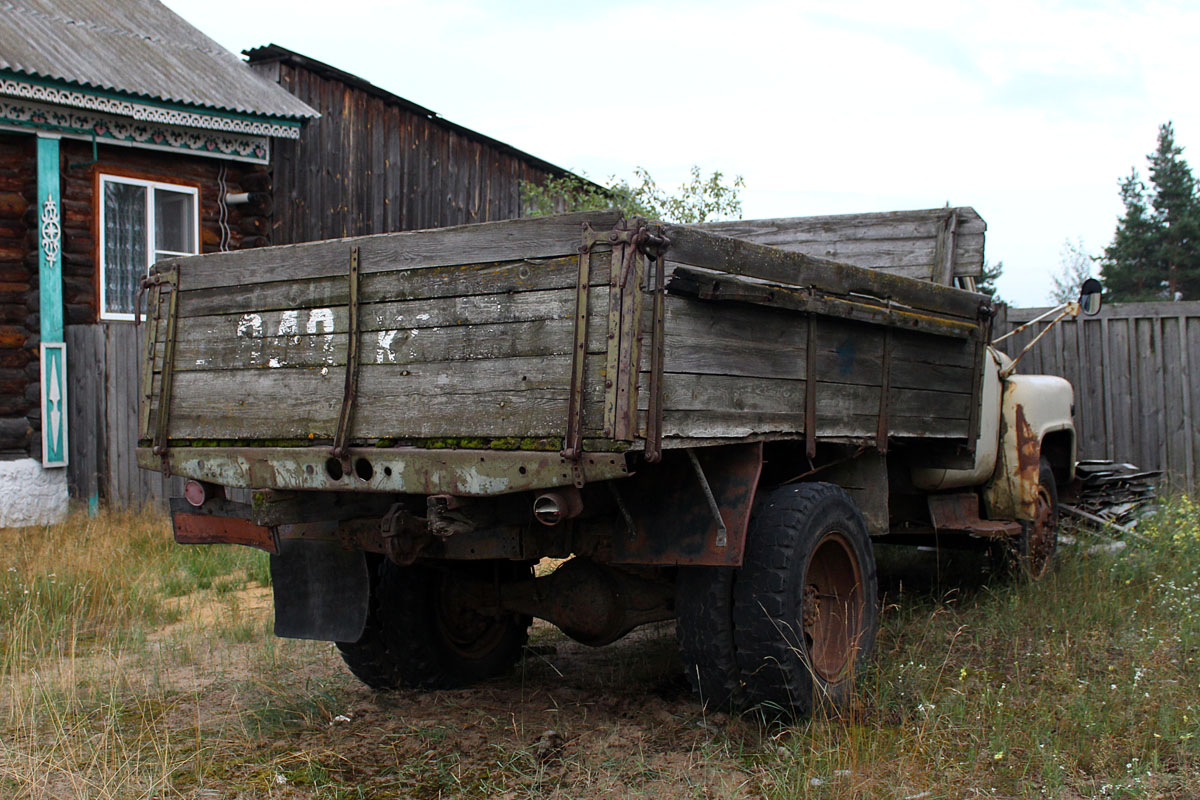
x,y
102,393
1136,372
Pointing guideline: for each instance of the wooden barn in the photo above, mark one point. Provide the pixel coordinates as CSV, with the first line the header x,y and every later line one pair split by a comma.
x,y
377,163
126,135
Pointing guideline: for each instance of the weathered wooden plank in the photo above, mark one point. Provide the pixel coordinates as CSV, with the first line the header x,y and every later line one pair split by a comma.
x,y
491,398
484,280
1190,308
85,412
695,248
1150,397
893,241
1191,358
508,240
1174,424
207,349
703,393
737,424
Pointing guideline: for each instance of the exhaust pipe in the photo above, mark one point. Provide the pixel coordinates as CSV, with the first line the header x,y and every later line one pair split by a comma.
x,y
551,508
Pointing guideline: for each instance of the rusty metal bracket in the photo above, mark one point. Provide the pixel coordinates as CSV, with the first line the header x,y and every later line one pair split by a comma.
x,y
573,441
810,388
655,246
350,393
713,506
630,526
885,388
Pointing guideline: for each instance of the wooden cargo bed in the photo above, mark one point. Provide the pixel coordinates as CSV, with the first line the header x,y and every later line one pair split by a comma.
x,y
483,336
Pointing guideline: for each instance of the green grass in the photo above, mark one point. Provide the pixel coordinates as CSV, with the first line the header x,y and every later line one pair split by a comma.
x,y
131,667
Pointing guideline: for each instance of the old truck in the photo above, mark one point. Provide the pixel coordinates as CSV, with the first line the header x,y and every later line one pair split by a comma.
x,y
704,428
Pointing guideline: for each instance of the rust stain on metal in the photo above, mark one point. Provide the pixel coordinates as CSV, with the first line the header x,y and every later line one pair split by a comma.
x,y
473,473
672,518
208,529
959,513
1028,466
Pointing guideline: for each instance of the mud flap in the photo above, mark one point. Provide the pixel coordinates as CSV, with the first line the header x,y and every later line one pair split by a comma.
x,y
322,591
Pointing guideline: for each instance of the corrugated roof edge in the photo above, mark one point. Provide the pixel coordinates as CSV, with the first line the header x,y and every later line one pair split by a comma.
x,y
274,52
113,93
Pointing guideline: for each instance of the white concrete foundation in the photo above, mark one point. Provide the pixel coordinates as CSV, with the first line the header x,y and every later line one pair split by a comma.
x,y
31,495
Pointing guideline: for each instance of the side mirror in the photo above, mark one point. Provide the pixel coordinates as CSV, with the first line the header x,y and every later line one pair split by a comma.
x,y
1089,297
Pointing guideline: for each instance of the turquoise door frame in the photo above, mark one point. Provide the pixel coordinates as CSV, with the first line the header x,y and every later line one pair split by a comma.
x,y
50,295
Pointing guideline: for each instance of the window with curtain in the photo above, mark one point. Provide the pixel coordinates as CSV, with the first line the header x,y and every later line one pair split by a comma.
x,y
141,222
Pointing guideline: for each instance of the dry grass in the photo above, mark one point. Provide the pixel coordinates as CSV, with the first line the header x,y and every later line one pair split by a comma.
x,y
133,668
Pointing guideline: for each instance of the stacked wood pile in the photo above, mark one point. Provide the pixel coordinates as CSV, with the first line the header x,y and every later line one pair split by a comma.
x,y
1112,492
18,284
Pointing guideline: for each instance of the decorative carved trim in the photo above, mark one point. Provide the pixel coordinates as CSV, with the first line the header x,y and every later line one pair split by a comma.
x,y
114,128
139,111
51,230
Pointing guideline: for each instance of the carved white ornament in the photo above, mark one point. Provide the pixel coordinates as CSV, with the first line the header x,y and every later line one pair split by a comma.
x,y
51,230
54,434
138,111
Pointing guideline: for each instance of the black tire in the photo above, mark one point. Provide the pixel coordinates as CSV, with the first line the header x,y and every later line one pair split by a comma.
x,y
1031,554
704,631
808,555
418,636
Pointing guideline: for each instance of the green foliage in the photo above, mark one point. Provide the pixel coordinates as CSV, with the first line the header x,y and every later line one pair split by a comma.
x,y
1075,267
1155,252
986,283
699,200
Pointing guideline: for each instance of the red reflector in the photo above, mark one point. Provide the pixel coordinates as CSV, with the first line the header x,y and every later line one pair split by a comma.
x,y
194,492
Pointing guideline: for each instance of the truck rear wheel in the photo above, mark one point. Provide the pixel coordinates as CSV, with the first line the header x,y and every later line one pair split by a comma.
x,y
704,630
804,601
425,631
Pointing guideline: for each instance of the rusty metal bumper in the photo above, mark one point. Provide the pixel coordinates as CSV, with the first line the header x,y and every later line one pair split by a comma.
x,y
408,470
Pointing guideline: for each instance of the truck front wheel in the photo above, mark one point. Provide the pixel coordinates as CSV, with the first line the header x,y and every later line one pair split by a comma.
x,y
425,630
1034,549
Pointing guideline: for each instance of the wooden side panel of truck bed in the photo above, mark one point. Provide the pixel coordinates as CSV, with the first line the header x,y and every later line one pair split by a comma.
x,y
468,337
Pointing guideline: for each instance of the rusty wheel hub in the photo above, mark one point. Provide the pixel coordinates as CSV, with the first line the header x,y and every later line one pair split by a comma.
x,y
832,607
1042,535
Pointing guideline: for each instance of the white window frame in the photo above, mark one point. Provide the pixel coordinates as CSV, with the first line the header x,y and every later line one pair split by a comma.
x,y
151,251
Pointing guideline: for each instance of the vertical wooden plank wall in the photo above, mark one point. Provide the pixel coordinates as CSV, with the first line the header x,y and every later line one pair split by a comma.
x,y
103,396
1136,372
375,163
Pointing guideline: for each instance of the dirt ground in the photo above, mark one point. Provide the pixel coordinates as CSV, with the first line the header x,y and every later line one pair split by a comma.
x,y
568,721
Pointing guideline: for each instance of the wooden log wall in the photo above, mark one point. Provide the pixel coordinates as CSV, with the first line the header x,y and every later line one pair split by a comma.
x,y
1136,372
249,224
19,330
375,163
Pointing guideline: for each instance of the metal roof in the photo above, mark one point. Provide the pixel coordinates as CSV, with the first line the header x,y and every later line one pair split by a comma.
x,y
135,47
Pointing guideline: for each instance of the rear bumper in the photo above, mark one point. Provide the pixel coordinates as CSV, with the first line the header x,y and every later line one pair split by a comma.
x,y
406,470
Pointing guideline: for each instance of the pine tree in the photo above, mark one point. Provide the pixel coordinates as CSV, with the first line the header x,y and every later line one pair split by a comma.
x,y
1177,213
1155,251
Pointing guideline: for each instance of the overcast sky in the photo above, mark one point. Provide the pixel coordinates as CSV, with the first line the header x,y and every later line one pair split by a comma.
x,y
1030,112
